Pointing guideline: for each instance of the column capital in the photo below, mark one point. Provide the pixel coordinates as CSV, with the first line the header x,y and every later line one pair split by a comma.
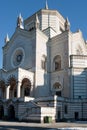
x,y
18,83
7,85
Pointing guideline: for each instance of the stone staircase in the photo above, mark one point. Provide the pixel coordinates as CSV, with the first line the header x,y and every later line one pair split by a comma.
x,y
35,111
31,112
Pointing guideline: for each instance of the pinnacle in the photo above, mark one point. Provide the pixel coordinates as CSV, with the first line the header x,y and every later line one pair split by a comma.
x,y
46,5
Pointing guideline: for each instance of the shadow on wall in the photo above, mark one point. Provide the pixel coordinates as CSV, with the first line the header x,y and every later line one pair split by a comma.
x,y
43,90
79,84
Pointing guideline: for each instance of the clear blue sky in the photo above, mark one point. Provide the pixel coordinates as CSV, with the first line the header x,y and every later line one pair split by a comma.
x,y
75,10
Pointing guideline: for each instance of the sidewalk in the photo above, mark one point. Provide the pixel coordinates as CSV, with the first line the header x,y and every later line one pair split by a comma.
x,y
45,125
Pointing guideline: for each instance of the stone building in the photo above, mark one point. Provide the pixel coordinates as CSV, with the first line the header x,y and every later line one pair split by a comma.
x,y
44,70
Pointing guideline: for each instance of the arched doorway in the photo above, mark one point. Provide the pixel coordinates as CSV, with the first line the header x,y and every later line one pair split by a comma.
x,y
11,112
25,87
1,112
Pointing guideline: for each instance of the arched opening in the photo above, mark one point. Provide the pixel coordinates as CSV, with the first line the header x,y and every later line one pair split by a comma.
x,y
1,111
2,89
13,88
11,112
25,87
57,63
57,88
44,62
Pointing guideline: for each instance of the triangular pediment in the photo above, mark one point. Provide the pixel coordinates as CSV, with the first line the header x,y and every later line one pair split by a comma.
x,y
18,35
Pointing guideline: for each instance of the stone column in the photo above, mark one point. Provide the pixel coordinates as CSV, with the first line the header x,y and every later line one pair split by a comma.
x,y
55,101
7,92
55,107
18,90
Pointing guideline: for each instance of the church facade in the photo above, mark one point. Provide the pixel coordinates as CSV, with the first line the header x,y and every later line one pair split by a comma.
x,y
44,71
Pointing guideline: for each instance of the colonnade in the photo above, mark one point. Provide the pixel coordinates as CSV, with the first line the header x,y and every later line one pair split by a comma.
x,y
15,89
18,90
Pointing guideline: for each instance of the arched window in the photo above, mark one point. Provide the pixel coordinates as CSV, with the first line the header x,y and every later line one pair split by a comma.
x,y
25,87
57,88
57,62
43,62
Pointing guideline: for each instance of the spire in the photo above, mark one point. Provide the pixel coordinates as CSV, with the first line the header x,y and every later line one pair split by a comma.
x,y
20,21
67,21
67,24
46,5
7,39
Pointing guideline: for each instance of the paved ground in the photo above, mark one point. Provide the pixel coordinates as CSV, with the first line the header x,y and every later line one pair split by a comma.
x,y
38,126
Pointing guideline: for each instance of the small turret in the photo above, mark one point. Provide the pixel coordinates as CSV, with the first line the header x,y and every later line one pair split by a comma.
x,y
67,25
7,39
37,19
46,5
20,22
37,22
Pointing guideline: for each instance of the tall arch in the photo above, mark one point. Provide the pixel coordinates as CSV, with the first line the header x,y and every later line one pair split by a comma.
x,y
2,89
25,87
13,87
57,63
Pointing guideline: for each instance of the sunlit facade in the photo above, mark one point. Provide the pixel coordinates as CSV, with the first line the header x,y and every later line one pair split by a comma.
x,y
44,70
